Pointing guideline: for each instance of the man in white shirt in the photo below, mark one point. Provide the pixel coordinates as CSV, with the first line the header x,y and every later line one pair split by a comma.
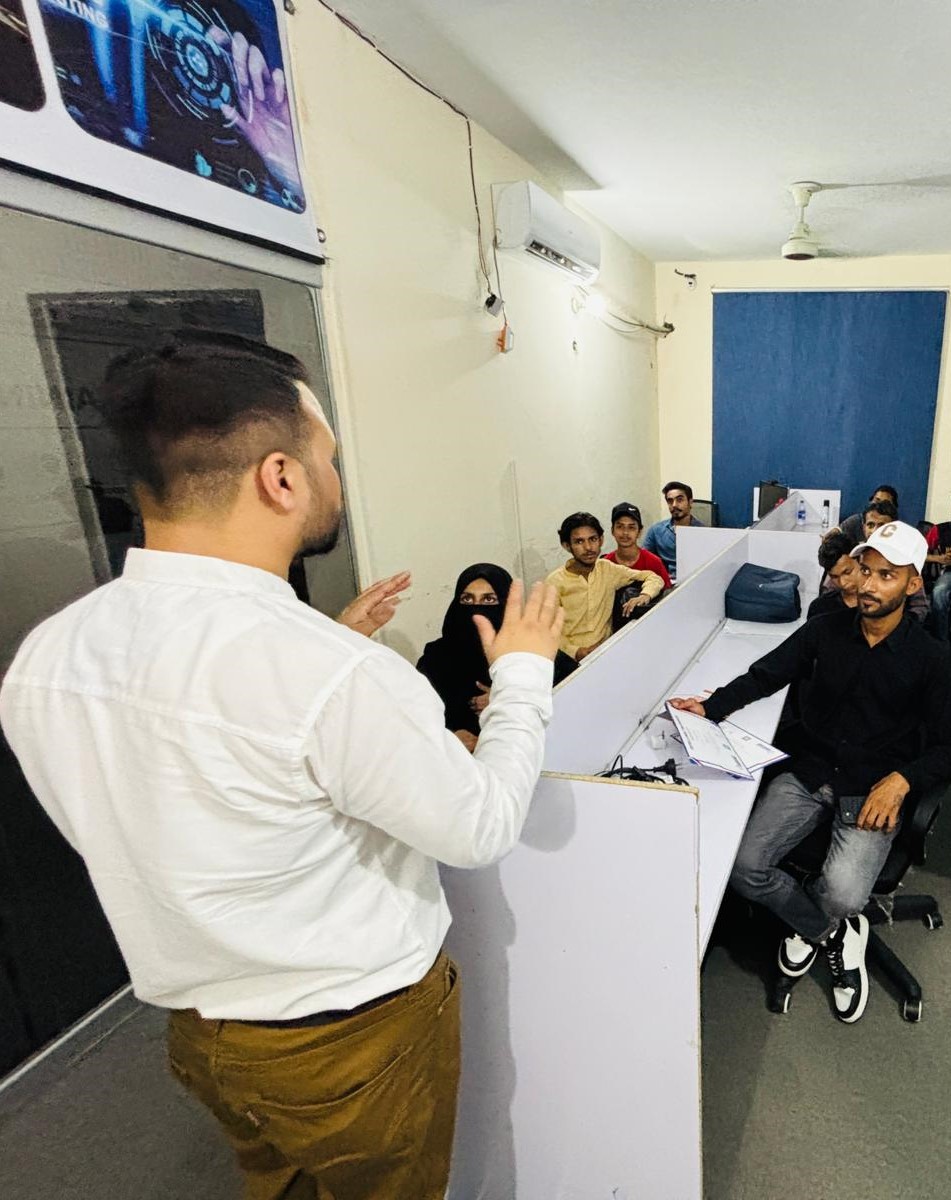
x,y
261,794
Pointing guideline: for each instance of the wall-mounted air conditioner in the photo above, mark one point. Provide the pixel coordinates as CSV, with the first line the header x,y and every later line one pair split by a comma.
x,y
527,218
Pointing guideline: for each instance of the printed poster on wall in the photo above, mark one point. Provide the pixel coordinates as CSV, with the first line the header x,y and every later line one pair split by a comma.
x,y
181,105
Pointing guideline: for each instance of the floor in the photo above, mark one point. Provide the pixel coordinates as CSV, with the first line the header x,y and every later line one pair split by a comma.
x,y
794,1106
800,1105
112,1126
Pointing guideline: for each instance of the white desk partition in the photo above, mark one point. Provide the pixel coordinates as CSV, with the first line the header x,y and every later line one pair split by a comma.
x,y
725,803
618,684
814,498
581,951
697,545
580,997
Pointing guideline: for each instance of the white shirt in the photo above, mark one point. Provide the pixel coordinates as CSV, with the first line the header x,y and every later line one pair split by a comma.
x,y
260,794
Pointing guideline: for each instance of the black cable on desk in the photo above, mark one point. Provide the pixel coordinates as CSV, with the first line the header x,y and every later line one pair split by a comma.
x,y
664,773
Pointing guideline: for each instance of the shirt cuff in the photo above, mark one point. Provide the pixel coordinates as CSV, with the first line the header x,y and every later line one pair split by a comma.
x,y
912,775
715,708
530,675
521,667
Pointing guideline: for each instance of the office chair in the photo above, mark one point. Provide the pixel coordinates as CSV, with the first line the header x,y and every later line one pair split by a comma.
x,y
884,907
707,511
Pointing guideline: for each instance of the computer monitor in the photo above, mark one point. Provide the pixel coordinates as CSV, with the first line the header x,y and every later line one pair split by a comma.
x,y
771,493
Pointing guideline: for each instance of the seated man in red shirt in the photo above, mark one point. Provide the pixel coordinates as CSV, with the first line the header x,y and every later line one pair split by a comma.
x,y
626,528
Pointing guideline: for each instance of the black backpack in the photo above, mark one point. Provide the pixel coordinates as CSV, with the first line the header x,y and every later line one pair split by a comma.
x,y
763,594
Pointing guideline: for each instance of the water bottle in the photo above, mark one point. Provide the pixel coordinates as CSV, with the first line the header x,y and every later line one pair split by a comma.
x,y
825,514
801,513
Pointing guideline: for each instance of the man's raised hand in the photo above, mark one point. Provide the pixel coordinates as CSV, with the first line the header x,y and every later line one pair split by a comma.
x,y
536,629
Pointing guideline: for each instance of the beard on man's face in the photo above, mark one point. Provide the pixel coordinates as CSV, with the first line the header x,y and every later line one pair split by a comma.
x,y
870,606
321,540
322,530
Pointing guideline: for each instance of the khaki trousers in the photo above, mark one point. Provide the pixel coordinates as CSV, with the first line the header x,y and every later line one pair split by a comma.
x,y
359,1109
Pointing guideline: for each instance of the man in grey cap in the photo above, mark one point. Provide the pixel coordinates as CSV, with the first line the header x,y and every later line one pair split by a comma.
x,y
874,725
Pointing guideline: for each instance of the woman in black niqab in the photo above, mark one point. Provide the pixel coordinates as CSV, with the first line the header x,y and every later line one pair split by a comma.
x,y
455,664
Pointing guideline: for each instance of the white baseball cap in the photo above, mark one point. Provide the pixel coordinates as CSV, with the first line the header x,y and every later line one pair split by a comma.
x,y
901,544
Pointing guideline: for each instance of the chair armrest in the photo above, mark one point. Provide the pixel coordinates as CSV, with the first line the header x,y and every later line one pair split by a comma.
x,y
923,817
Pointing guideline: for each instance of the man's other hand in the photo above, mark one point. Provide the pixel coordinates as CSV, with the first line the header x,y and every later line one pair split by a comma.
x,y
478,703
691,704
534,630
635,602
375,605
883,803
469,740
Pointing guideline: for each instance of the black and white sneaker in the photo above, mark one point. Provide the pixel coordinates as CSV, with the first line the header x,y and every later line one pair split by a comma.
x,y
845,950
796,955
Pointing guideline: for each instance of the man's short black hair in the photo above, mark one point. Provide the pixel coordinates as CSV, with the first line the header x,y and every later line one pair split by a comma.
x,y
887,487
577,521
832,549
676,485
884,508
191,415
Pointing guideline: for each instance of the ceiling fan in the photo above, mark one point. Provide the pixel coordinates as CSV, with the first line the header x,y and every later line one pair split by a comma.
x,y
801,245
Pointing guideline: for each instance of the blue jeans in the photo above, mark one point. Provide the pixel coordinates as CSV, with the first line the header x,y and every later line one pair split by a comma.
x,y
941,604
785,813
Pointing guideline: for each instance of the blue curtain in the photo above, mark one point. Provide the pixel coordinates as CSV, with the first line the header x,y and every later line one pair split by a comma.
x,y
824,389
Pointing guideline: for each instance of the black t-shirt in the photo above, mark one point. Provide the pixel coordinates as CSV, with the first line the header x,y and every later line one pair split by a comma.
x,y
824,603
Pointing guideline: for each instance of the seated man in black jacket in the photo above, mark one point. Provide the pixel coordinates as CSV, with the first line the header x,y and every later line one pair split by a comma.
x,y
874,724
842,577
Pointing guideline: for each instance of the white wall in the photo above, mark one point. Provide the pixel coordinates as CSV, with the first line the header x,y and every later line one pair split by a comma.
x,y
685,360
432,415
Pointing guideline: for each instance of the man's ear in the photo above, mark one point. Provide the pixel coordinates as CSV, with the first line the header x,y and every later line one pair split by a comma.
x,y
272,479
915,584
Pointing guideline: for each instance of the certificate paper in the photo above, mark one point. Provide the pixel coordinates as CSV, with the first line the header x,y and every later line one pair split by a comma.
x,y
723,747
753,751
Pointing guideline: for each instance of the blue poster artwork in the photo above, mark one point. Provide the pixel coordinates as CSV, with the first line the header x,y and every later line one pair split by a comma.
x,y
200,86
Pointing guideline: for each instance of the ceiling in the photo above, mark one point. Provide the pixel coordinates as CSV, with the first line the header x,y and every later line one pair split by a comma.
x,y
680,122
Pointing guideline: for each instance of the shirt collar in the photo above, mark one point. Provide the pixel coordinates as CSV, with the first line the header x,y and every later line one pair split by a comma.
x,y
895,639
201,570
578,575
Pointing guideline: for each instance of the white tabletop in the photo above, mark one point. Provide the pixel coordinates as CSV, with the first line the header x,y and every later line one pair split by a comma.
x,y
725,802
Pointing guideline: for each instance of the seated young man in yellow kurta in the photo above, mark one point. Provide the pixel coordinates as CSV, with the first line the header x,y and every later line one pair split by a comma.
x,y
587,583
